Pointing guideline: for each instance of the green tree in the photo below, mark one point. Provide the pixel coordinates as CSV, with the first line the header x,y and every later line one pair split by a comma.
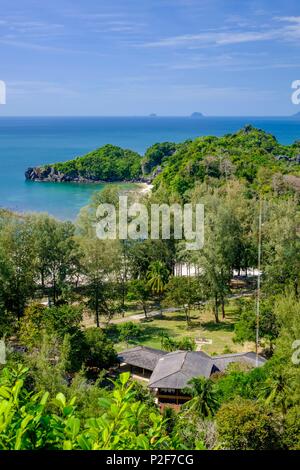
x,y
281,260
156,154
17,265
245,328
140,291
239,380
100,350
182,344
183,292
157,276
38,320
26,424
99,265
291,437
246,425
167,343
57,252
276,392
203,394
129,332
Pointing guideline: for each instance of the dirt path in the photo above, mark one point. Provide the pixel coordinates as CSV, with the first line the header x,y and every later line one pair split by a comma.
x,y
141,316
157,313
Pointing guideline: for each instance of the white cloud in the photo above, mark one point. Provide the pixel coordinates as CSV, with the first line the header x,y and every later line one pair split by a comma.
x,y
289,19
23,27
12,42
288,32
215,38
35,87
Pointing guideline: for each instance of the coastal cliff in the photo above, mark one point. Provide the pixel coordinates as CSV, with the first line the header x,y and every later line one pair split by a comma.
x,y
107,164
51,174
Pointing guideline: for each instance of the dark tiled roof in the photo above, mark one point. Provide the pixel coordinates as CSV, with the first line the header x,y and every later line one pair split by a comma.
x,y
249,358
174,370
141,356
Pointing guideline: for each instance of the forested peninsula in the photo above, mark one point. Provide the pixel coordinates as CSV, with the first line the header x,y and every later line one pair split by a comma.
x,y
249,154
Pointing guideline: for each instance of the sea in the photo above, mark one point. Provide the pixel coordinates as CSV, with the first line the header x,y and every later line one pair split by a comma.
x,y
32,141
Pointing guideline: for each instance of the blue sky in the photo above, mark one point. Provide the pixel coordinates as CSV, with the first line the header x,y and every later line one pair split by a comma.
x,y
135,57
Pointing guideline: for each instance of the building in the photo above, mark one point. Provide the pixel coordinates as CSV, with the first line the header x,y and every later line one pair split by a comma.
x,y
169,373
140,361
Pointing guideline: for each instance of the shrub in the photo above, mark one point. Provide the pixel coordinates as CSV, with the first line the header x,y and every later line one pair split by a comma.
x,y
25,423
247,425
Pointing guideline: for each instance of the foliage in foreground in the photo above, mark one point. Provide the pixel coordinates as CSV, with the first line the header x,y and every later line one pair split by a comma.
x,y
26,423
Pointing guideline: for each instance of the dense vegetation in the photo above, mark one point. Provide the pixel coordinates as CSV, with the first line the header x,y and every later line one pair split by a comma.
x,y
60,389
250,154
108,163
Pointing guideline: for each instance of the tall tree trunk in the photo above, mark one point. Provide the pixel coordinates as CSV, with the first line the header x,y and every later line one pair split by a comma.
x,y
186,311
145,311
216,309
54,289
43,280
123,293
223,308
97,307
160,307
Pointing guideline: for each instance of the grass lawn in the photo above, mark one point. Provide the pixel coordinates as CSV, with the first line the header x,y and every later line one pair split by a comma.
x,y
202,326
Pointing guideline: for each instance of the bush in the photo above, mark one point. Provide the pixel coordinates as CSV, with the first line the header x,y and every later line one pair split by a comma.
x,y
38,320
291,437
27,425
129,332
247,425
100,350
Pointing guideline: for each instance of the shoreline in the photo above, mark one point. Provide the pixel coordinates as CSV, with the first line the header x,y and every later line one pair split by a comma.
x,y
140,188
145,188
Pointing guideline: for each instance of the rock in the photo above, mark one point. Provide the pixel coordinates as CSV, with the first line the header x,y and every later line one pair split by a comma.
x,y
50,174
197,115
282,157
286,158
297,159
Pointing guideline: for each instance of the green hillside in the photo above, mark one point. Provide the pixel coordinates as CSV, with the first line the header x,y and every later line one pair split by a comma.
x,y
108,163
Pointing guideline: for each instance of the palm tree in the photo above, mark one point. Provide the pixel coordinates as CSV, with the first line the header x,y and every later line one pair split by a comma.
x,y
167,343
157,276
275,391
204,400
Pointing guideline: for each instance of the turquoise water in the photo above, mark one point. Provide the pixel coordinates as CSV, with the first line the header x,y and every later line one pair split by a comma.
x,y
28,142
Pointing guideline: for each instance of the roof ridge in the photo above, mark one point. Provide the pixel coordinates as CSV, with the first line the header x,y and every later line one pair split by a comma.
x,y
169,375
233,355
165,377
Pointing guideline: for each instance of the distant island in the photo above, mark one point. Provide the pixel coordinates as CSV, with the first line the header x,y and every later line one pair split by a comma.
x,y
152,115
297,115
197,115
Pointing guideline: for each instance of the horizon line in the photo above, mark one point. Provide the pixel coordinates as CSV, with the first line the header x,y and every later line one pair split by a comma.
x,y
188,116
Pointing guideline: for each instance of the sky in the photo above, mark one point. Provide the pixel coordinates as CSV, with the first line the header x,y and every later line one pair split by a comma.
x,y
136,57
